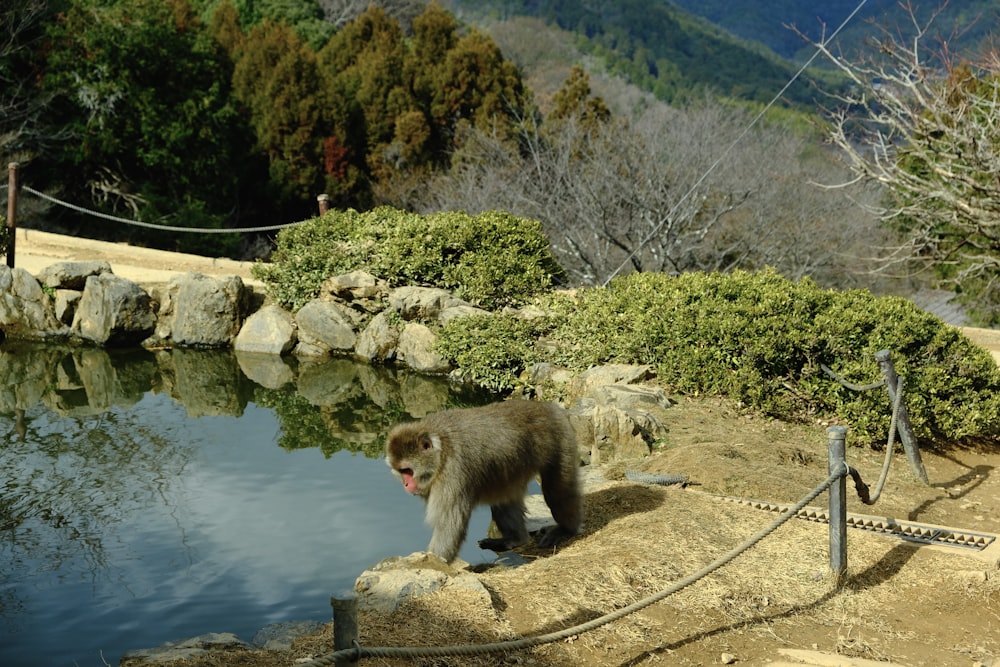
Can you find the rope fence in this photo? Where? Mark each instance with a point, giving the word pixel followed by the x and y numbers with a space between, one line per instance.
pixel 13 188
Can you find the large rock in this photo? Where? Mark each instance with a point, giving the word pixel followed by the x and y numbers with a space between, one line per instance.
pixel 416 349
pixel 323 328
pixel 378 341
pixel 179 652
pixel 113 311
pixel 202 311
pixel 271 330
pixel 72 275
pixel 384 586
pixel 599 376
pixel 360 289
pixel 422 303
pixel 25 308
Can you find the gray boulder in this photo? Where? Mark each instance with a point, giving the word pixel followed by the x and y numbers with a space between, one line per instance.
pixel 65 305
pixel 323 328
pixel 422 303
pixel 25 308
pixel 359 289
pixel 416 349
pixel 202 311
pixel 384 586
pixel 72 275
pixel 113 311
pixel 377 342
pixel 271 330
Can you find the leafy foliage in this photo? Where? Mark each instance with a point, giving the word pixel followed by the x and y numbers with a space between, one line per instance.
pixel 492 350
pixel 759 339
pixel 492 259
pixel 144 93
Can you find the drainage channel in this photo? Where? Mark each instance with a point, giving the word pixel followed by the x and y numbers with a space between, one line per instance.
pixel 906 530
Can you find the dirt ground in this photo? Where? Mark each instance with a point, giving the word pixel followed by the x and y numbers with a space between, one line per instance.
pixel 778 604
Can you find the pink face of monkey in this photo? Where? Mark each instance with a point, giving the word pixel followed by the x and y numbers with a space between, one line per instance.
pixel 414 458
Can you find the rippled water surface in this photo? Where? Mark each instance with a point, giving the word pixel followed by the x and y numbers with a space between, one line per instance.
pixel 146 497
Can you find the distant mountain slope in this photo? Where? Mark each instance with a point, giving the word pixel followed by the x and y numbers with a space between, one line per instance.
pixel 660 47
pixel 766 22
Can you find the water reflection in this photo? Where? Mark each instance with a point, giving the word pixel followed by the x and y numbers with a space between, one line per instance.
pixel 152 495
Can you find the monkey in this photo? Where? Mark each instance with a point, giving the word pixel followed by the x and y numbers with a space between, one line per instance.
pixel 460 458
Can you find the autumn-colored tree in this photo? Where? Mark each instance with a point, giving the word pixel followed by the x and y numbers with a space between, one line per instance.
pixel 362 67
pixel 478 87
pixel 276 78
pixel 574 100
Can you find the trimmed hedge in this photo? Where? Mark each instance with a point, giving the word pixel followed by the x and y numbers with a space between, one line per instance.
pixel 757 338
pixel 492 259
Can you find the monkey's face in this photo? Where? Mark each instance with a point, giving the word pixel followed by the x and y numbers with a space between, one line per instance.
pixel 414 457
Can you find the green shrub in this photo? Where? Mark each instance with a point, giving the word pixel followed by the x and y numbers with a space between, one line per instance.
pixel 492 259
pixel 760 339
pixel 492 350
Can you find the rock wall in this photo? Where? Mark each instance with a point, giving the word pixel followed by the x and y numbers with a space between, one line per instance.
pixel 615 413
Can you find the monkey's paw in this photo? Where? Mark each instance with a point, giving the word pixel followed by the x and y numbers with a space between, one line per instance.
pixel 550 536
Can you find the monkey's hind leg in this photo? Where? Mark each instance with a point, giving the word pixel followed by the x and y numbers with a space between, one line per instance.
pixel 561 489
pixel 509 519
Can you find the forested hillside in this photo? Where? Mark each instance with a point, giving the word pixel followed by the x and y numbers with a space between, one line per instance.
pixel 965 24
pixel 660 48
pixel 231 114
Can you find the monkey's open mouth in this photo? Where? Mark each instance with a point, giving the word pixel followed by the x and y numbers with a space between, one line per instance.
pixel 409 483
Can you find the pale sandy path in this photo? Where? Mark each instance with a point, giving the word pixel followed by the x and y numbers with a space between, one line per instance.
pixel 34 250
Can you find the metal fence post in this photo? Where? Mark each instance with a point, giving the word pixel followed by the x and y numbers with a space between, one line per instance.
pixel 837 450
pixel 12 188
pixel 323 201
pixel 903 426
pixel 345 626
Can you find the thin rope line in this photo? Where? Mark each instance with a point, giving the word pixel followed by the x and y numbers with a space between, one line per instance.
pixel 150 225
pixel 718 161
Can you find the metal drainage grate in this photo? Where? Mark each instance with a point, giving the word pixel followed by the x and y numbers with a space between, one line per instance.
pixel 914 532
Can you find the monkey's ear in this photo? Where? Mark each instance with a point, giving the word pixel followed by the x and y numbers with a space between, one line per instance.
pixel 429 441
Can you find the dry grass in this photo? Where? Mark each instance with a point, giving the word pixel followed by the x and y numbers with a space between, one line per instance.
pixel 896 602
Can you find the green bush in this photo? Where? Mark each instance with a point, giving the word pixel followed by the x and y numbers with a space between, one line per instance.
pixel 492 259
pixel 492 350
pixel 759 339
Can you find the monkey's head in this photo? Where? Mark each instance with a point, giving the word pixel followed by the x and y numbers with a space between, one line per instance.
pixel 414 455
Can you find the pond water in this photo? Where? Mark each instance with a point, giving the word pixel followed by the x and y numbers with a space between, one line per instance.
pixel 151 496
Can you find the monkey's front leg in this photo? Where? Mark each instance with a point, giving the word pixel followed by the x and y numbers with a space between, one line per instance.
pixel 509 519
pixel 450 520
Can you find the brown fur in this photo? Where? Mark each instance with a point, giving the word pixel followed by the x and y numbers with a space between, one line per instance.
pixel 457 459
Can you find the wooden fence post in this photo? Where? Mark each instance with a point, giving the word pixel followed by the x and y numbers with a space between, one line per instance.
pixel 345 626
pixel 12 188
